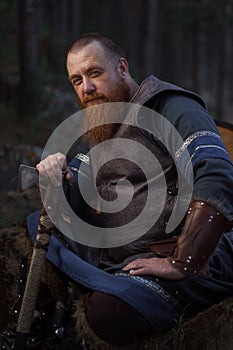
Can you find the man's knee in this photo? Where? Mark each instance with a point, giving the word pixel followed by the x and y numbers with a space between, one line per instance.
pixel 113 320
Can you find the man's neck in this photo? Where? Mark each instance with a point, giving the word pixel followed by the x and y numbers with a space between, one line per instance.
pixel 133 88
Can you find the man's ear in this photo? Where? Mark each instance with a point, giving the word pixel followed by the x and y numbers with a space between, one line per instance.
pixel 123 68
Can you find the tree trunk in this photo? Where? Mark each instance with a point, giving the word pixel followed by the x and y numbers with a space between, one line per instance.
pixel 150 38
pixel 28 52
pixel 60 30
pixel 224 63
pixel 131 26
pixel 75 19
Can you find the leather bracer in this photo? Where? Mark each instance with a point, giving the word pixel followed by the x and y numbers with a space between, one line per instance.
pixel 202 230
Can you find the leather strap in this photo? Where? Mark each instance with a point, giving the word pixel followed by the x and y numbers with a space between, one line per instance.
pixel 165 247
pixel 202 230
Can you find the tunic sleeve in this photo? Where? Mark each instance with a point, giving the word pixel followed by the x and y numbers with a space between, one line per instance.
pixel 212 166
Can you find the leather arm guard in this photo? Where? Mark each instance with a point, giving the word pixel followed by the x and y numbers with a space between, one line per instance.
pixel 202 230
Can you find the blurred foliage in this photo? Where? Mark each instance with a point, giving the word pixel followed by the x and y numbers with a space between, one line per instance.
pixel 8 35
pixel 179 27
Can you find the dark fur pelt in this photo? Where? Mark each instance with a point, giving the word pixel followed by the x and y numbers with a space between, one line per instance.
pixel 10 253
pixel 15 244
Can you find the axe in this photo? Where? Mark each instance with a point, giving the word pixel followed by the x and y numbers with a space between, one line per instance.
pixel 28 177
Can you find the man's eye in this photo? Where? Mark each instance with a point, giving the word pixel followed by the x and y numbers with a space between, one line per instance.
pixel 95 73
pixel 76 81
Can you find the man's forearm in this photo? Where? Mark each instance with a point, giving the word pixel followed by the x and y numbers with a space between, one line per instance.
pixel 202 230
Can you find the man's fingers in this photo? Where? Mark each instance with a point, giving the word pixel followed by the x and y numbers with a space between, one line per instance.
pixel 61 160
pixel 69 176
pixel 49 174
pixel 51 168
pixel 140 271
pixel 54 171
pixel 135 264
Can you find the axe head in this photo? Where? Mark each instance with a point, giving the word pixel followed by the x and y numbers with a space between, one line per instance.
pixel 27 177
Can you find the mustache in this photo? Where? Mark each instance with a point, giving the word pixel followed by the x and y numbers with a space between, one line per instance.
pixel 94 96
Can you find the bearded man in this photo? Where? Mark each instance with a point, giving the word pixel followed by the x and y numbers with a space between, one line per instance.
pixel 138 288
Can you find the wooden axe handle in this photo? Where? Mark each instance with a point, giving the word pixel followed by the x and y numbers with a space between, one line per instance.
pixel 34 276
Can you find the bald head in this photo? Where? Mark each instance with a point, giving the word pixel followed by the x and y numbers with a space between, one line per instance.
pixel 112 50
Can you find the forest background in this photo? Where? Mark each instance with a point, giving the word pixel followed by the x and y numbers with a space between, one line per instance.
pixel 186 42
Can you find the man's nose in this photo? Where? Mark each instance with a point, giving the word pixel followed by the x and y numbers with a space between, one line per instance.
pixel 88 86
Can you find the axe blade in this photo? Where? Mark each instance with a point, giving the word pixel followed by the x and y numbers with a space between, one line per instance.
pixel 28 176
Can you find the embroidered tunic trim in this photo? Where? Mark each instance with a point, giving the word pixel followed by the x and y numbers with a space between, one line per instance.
pixel 149 283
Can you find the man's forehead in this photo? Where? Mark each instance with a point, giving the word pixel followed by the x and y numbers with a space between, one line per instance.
pixel 92 51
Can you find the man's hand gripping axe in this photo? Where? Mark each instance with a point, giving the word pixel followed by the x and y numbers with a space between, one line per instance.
pixel 28 176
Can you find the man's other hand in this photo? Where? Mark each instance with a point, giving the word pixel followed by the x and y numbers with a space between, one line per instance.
pixel 159 267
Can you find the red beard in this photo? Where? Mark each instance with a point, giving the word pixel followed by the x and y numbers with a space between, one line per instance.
pixel 98 134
